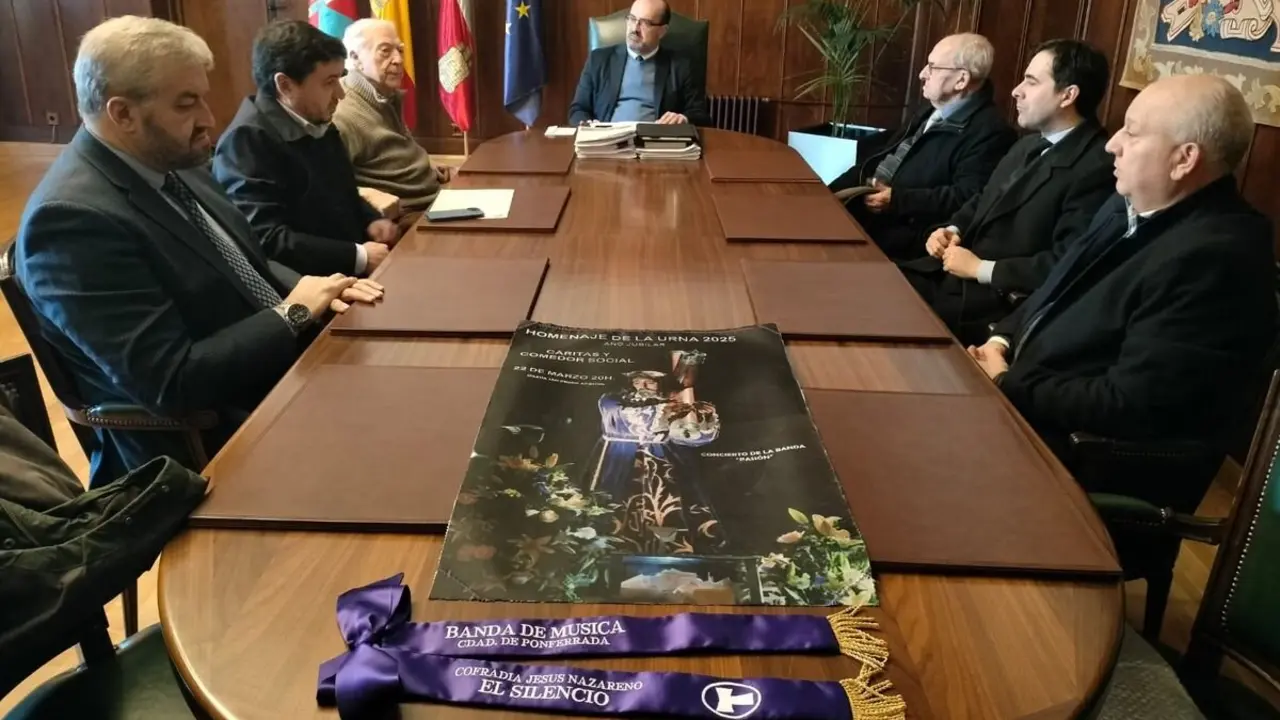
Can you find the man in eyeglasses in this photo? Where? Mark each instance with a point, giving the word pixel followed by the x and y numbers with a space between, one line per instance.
pixel 940 159
pixel 640 81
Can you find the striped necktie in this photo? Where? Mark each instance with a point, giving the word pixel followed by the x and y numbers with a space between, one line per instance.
pixel 889 166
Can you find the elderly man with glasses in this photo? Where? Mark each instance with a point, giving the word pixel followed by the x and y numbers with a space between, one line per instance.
pixel 937 161
pixel 640 81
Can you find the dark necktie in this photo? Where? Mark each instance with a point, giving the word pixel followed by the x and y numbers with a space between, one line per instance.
pixel 889 166
pixel 235 257
pixel 1107 229
pixel 1028 161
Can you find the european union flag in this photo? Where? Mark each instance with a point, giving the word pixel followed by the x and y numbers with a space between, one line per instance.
pixel 526 67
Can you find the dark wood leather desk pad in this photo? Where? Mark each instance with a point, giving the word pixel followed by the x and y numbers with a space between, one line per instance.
pixel 533 155
pixel 448 296
pixel 533 209
pixel 747 216
pixel 358 448
pixel 758 166
pixel 840 300
pixel 949 482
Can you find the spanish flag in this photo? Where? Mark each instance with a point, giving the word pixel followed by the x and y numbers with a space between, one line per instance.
pixel 397 13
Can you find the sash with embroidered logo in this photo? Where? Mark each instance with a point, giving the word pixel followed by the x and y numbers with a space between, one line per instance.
pixel 390 659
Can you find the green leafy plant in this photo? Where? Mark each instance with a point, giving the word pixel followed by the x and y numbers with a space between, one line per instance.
pixel 529 529
pixel 841 30
pixel 818 563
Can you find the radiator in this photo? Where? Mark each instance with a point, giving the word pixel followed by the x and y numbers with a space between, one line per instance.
pixel 741 114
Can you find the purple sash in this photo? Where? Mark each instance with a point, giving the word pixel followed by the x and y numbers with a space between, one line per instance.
pixel 390 659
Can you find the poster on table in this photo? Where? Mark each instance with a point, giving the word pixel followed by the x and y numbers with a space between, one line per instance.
pixel 651 467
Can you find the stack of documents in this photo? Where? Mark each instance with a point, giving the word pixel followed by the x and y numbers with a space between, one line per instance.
pixel 604 140
pixel 667 142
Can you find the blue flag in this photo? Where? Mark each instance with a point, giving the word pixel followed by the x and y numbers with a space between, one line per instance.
pixel 526 68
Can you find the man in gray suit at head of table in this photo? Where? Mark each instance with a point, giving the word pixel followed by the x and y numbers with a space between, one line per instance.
pixel 640 81
pixel 145 279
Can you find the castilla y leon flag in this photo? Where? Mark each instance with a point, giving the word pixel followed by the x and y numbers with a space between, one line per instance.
pixel 454 47
pixel 396 12
pixel 331 16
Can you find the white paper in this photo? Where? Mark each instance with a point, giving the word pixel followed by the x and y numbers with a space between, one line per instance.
pixel 557 131
pixel 496 204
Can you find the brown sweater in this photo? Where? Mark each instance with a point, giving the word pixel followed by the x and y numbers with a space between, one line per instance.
pixel 383 152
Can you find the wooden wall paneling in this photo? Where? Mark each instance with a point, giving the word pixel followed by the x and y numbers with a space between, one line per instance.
pixel 1258 177
pixel 77 18
pixel 1004 22
pixel 799 61
pixel 1105 27
pixel 228 26
pixel 117 8
pixel 47 88
pixel 15 109
pixel 724 45
pixel 761 47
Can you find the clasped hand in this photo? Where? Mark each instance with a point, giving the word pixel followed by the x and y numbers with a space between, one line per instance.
pixel 944 244
pixel 991 358
pixel 334 292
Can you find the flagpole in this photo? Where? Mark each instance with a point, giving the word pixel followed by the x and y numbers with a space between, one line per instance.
pixel 466 144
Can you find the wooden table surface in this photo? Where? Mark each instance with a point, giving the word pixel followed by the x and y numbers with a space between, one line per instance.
pixel 249 615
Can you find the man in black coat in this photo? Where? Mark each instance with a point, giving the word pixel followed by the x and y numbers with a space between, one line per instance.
pixel 1156 322
pixel 940 159
pixel 284 165
pixel 1003 243
pixel 640 81
pixel 144 278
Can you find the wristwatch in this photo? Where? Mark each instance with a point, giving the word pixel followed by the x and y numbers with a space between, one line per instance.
pixel 296 315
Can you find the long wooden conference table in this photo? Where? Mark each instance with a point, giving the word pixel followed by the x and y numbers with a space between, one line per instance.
pixel 249 615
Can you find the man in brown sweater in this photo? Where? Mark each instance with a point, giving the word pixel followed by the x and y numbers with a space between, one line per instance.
pixel 382 149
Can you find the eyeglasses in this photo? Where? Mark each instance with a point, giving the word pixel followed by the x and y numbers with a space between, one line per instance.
pixel 643 22
pixel 930 67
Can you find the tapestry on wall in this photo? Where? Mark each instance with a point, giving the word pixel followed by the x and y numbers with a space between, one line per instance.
pixel 645 466
pixel 1234 39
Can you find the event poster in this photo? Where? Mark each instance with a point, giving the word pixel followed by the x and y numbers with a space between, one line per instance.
pixel 651 467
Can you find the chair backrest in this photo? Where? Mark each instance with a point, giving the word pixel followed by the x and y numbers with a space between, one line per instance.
pixel 1238 617
pixel 64 388
pixel 685 36
pixel 21 388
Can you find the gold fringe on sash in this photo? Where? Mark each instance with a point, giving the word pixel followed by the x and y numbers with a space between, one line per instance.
pixel 868 696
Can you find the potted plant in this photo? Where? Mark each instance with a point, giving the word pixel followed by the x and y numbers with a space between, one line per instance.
pixel 840 30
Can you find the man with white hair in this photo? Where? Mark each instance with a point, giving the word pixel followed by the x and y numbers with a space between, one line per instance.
pixel 1156 322
pixel 146 280
pixel 937 161
pixel 370 119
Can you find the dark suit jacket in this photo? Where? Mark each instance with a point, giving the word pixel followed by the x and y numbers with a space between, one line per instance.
pixel 1024 227
pixel 601 81
pixel 1161 335
pixel 141 306
pixel 946 167
pixel 298 192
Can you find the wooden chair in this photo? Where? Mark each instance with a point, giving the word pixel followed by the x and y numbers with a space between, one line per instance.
pixel 1172 476
pixel 1237 618
pixel 86 418
pixel 135 681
